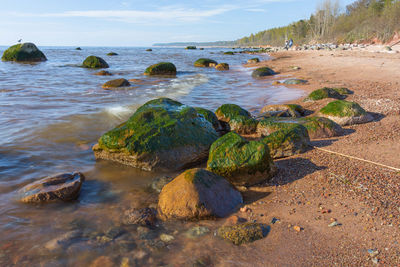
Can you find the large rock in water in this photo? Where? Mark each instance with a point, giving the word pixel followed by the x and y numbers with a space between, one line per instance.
pixel 345 113
pixel 196 194
pixel 162 68
pixel 239 119
pixel 262 72
pixel 26 52
pixel 93 62
pixel 62 187
pixel 116 83
pixel 240 161
pixel 205 62
pixel 161 134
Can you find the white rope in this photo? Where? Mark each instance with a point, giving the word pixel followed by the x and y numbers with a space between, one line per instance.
pixel 360 159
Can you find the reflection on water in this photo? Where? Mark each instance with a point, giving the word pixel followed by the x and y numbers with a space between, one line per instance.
pixel 50 116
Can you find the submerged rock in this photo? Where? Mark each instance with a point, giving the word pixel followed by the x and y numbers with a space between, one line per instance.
pixel 222 66
pixel 325 92
pixel 162 68
pixel 240 161
pixel 116 83
pixel 197 231
pixel 61 187
pixel 198 193
pixel 149 49
pixel 229 53
pixel 78 48
pixel 25 52
pixel 287 110
pixel 103 73
pixel 262 72
pixel 144 217
pixel 161 134
pixel 63 240
pixel 291 139
pixel 253 60
pixel 239 119
pixel 243 233
pixel 345 113
pixel 295 81
pixel 159 182
pixel 112 54
pixel 205 62
pixel 93 62
pixel 191 47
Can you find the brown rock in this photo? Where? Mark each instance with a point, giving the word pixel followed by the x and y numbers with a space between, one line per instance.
pixel 103 73
pixel 198 193
pixel 102 261
pixel 145 216
pixel 62 187
pixel 116 83
pixel 222 66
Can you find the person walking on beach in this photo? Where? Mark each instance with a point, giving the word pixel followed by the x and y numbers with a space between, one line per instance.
pixel 286 44
pixel 290 44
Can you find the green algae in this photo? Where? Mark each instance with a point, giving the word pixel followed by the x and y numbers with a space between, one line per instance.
pixel 342 108
pixel 262 72
pixel 243 233
pixel 162 68
pixel 226 112
pixel 204 62
pixel 94 62
pixel 26 52
pixel 324 92
pixel 209 116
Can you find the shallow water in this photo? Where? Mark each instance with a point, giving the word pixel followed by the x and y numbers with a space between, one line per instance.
pixel 51 114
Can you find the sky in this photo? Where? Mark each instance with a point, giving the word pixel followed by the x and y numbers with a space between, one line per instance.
pixel 143 22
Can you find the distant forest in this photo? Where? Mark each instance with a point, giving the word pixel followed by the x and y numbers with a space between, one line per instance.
pixel 363 20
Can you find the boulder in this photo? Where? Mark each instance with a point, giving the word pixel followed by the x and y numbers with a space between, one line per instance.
pixel 103 73
pixel 222 66
pixel 295 81
pixel 112 54
pixel 345 113
pixel 212 118
pixel 322 93
pixel 262 72
pixel 61 187
pixel 93 62
pixel 116 83
pixel 78 48
pixel 161 134
pixel 162 68
pixel 243 233
pixel 149 49
pixel 242 162
pixel 319 127
pixel 239 119
pixel 205 62
pixel 196 194
pixel 25 52
pixel 191 47
pixel 287 110
pixel 292 139
pixel 253 60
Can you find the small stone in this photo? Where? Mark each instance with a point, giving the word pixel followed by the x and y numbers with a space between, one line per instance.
pixel 233 220
pixel 375 260
pixel 245 209
pixel 145 217
pixel 197 231
pixel 274 220
pixel 335 223
pixel 373 252
pixel 297 228
pixel 166 238
pixel 326 211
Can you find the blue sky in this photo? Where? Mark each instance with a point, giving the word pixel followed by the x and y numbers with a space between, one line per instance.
pixel 142 23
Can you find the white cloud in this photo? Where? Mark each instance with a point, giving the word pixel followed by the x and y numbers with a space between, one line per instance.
pixel 255 10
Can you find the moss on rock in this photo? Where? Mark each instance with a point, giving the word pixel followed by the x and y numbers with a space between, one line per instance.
pixel 112 54
pixel 222 66
pixel 162 68
pixel 345 112
pixel 209 116
pixel 94 62
pixel 229 53
pixel 286 110
pixel 262 72
pixel 242 162
pixel 239 119
pixel 243 233
pixel 196 194
pixel 26 52
pixel 116 83
pixel 322 93
pixel 205 62
pixel 253 60
pixel 290 140
pixel 162 133
pixel 191 47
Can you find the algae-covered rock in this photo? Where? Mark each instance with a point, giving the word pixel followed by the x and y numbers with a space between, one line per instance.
pixel 322 93
pixel 116 83
pixel 290 140
pixel 78 48
pixel 211 117
pixel 287 110
pixel 198 193
pixel 161 134
pixel 191 47
pixel 205 62
pixel 345 113
pixel 262 72
pixel 295 81
pixel 243 233
pixel 222 66
pixel 229 53
pixel 94 62
pixel 112 54
pixel 343 90
pixel 103 73
pixel 239 119
pixel 240 161
pixel 61 187
pixel 162 68
pixel 253 60
pixel 25 52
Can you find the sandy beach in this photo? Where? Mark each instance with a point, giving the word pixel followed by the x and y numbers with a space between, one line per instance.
pixel 316 188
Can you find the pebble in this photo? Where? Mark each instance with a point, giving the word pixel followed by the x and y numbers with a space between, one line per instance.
pixel 166 238
pixel 373 252
pixel 375 260
pixel 335 223
pixel 297 228
pixel 274 220
pixel 197 231
pixel 245 209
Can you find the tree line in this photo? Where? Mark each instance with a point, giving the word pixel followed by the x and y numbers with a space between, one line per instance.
pixel 361 21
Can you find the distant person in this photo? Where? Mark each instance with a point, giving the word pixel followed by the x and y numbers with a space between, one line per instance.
pixel 290 44
pixel 286 44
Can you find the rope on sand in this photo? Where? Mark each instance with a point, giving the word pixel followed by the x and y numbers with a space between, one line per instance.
pixel 360 159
